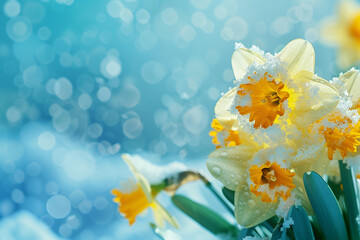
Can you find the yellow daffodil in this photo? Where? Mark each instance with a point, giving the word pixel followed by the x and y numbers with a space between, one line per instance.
pixel 224 135
pixel 264 178
pixel 140 197
pixel 277 89
pixel 344 32
pixel 341 128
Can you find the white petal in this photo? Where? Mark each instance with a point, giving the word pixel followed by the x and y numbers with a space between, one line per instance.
pixel 314 98
pixel 299 56
pixel 144 184
pixel 351 80
pixel 242 58
pixel 230 164
pixel 249 209
pixel 224 105
pixel 161 215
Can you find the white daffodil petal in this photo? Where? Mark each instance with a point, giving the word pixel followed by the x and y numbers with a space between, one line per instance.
pixel 144 184
pixel 249 209
pixel 314 98
pixel 230 164
pixel 161 215
pixel 299 56
pixel 241 59
pixel 351 80
pixel 300 193
pixel 223 106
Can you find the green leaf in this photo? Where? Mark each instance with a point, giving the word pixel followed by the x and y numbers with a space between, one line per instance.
pixel 351 193
pixel 325 206
pixel 302 227
pixel 230 195
pixel 204 216
pixel 277 233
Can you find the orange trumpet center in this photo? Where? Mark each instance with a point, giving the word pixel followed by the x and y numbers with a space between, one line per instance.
pixel 266 102
pixel 271 180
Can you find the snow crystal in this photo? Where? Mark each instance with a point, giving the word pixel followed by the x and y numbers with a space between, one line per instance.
pixel 287 223
pixel 239 45
pixel 153 173
pixel 254 238
pixel 307 151
pixel 265 188
pixel 284 206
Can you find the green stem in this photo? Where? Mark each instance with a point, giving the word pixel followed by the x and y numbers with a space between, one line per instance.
pixel 351 193
pixel 219 197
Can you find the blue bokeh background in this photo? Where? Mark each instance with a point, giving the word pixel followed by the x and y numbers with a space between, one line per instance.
pixel 83 81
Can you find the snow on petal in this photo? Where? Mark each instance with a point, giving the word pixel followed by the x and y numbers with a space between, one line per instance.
pixel 242 58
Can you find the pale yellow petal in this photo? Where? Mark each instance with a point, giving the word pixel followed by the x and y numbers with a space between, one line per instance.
pixel 145 185
pixel 230 164
pixel 351 80
pixel 249 209
pixel 313 99
pixel 333 169
pixel 334 32
pixel 300 193
pixel 161 215
pixel 242 58
pixel 348 56
pixel 223 106
pixel 310 155
pixel 347 10
pixel 299 56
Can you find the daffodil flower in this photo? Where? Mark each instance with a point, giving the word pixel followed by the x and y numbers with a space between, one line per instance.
pixel 223 134
pixel 277 89
pixel 140 197
pixel 341 128
pixel 264 178
pixel 343 31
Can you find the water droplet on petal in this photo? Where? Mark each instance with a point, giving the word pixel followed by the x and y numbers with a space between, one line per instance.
pixel 216 171
pixel 251 203
pixel 224 154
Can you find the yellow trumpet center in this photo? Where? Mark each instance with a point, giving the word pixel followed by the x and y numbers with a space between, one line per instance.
pixel 266 102
pixel 131 204
pixel 222 136
pixel 341 135
pixel 271 180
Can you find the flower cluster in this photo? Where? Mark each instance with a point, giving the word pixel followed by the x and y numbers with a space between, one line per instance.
pixel 279 121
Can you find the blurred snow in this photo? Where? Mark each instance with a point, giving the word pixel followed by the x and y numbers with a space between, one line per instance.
pixel 25 226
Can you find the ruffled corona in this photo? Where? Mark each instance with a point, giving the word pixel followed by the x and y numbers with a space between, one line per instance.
pixel 131 204
pixel 340 134
pixel 271 180
pixel 267 100
pixel 222 136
